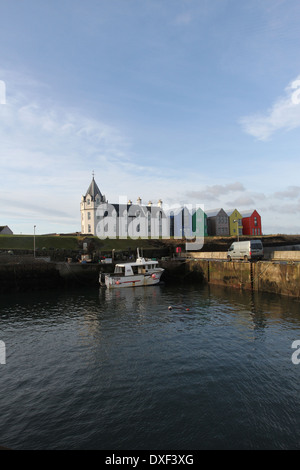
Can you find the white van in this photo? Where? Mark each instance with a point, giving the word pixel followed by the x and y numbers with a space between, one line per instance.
pixel 251 249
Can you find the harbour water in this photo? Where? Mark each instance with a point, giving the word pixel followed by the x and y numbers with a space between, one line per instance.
pixel 119 370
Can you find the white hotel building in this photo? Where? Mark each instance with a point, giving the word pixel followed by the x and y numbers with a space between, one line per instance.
pixel 90 219
pixel 125 219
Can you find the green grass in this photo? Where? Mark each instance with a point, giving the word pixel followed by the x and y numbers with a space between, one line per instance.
pixel 73 242
pixel 26 242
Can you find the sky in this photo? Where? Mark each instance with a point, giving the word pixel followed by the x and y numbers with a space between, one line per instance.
pixel 188 101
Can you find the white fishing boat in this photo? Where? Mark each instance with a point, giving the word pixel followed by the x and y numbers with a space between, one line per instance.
pixel 141 272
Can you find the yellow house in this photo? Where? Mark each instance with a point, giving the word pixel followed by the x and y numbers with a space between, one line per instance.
pixel 235 223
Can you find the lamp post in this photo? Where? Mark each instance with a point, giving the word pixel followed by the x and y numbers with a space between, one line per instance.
pixel 237 226
pixel 34 241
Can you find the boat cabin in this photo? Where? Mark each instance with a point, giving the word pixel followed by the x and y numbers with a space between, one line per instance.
pixel 130 269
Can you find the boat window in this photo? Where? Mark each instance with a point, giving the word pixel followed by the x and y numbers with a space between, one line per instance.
pixel 119 269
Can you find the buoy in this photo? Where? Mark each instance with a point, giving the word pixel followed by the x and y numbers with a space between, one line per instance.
pixel 187 309
pixel 170 308
pixel 153 276
pixel 117 282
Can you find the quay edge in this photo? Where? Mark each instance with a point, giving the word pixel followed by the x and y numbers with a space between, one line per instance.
pixel 279 277
pixel 262 276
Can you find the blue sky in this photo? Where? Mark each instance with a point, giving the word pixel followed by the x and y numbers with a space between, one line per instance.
pixel 188 101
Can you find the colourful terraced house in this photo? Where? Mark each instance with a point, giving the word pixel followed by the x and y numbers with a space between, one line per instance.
pixel 235 222
pixel 251 223
pixel 200 217
pixel 217 223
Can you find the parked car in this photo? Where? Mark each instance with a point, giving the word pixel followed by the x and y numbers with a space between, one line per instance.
pixel 248 250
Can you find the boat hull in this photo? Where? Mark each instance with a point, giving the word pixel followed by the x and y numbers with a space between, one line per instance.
pixel 120 282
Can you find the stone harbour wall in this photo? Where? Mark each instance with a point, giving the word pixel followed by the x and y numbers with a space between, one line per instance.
pixel 262 276
pixel 279 277
pixel 29 276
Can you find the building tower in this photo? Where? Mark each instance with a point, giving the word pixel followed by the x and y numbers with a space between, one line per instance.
pixel 88 208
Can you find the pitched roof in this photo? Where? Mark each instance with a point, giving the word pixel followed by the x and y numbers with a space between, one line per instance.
pixel 247 213
pixel 5 227
pixel 93 190
pixel 230 211
pixel 213 212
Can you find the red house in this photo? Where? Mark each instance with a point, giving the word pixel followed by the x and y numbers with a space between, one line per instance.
pixel 251 223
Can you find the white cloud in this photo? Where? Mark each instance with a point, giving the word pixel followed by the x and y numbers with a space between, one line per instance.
pixel 47 156
pixel 48 153
pixel 214 191
pixel 241 202
pixel 286 209
pixel 291 192
pixel 284 114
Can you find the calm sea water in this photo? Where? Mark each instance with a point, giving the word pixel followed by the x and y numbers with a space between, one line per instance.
pixel 99 369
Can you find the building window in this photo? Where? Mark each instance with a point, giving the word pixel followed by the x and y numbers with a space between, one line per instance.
pixel 89 228
pixel 89 216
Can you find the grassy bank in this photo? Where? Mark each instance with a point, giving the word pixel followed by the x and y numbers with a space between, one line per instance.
pixel 75 242
pixel 26 242
pixel 71 242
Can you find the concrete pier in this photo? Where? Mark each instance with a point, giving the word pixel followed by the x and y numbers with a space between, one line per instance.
pixel 279 277
pixel 28 276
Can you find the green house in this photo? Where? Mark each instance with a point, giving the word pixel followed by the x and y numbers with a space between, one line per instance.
pixel 199 217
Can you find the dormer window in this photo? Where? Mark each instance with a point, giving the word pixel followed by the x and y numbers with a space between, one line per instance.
pixel 88 201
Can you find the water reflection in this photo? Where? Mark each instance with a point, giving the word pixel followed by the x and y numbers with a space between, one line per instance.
pixel 188 302
pixel 135 299
pixel 261 306
pixel 119 369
